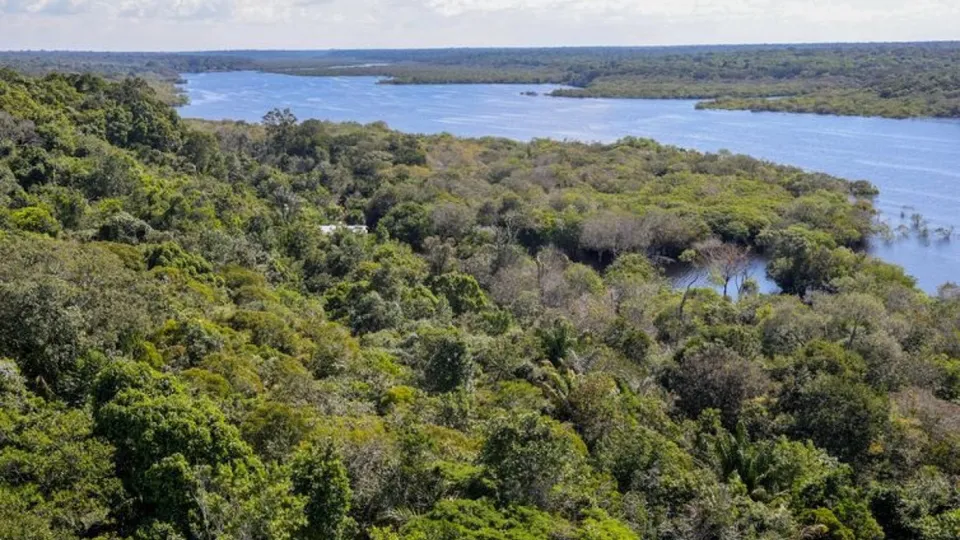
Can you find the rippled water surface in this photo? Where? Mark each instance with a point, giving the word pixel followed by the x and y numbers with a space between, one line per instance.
pixel 915 163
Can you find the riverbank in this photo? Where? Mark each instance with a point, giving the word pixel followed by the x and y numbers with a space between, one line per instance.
pixel 904 80
pixel 912 162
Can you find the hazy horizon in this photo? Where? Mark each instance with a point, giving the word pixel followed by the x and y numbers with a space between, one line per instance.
pixel 477 47
pixel 198 25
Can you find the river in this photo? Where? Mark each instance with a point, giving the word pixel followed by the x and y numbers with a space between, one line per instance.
pixel 915 163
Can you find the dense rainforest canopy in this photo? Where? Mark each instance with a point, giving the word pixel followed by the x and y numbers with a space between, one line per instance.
pixel 188 354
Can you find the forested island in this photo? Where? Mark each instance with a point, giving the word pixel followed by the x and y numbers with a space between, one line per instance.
pixel 196 345
pixel 895 80
pixel 889 80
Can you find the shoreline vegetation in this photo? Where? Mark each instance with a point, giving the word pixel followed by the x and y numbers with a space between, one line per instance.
pixel 902 80
pixel 162 71
pixel 193 343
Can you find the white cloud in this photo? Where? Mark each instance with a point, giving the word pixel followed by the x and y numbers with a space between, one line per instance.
pixel 206 24
pixel 224 10
pixel 45 7
pixel 177 9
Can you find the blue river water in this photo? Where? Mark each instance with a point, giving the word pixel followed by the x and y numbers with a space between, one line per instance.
pixel 915 163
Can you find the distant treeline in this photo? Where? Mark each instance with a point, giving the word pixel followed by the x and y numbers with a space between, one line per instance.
pixel 896 80
pixel 892 80
pixel 161 70
pixel 121 63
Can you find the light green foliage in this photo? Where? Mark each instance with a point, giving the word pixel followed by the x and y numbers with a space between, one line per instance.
pixel 333 351
pixel 480 520
pixel 57 480
pixel 598 525
pixel 35 219
pixel 476 520
pixel 919 507
pixel 171 255
pixel 941 527
pixel 266 330
pixel 275 429
pixel 462 292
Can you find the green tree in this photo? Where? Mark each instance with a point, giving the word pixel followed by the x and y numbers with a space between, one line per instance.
pixel 42 327
pixel 183 462
pixel 56 478
pixel 461 291
pixel 275 429
pixel 842 416
pixel 319 475
pixel 803 260
pixel 447 360
pixel 280 124
pixel 408 222
pixel 35 219
pixel 712 376
pixel 529 458
pixel 203 152
pixel 476 520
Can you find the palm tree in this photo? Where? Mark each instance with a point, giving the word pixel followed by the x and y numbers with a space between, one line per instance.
pixel 754 464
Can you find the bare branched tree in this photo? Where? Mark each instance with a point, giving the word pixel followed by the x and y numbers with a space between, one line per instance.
pixel 726 263
pixel 614 234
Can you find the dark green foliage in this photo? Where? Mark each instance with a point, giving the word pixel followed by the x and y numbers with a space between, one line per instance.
pixel 408 223
pixel 38 328
pixel 59 316
pixel 447 361
pixel 146 428
pixel 556 340
pixel 182 335
pixel 842 416
pixel 203 151
pixel 714 376
pixel 140 119
pixel 319 476
pixel 177 455
pixel 633 343
pixel 530 458
pixel 124 228
pixel 280 126
pixel 802 259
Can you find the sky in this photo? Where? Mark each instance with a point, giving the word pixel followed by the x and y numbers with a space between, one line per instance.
pixel 176 25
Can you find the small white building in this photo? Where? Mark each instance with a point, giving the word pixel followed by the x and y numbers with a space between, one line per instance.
pixel 332 229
